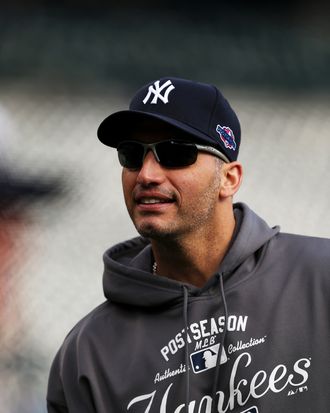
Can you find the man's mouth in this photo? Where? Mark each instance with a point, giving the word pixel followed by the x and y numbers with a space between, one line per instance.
pixel 153 198
pixel 149 201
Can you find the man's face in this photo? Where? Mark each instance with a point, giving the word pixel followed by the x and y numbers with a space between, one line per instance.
pixel 171 202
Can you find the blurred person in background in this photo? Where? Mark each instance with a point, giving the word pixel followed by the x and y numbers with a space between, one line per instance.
pixel 20 367
pixel 210 309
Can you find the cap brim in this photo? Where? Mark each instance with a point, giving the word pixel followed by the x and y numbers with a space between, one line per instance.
pixel 118 127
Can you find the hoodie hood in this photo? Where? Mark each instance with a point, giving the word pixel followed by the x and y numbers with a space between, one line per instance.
pixel 128 277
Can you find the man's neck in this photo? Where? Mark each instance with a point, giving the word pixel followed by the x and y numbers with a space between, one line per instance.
pixel 194 258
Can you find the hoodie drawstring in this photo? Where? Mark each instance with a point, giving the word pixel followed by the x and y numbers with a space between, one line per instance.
pixel 185 319
pixel 221 346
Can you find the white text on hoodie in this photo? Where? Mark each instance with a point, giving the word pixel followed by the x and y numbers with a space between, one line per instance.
pixel 259 385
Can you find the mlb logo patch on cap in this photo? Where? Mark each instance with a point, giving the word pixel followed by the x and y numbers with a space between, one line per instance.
pixel 227 137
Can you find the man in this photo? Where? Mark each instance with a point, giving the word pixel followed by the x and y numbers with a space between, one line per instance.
pixel 206 277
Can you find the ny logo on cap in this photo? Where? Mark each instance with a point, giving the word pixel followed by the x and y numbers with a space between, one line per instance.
pixel 156 90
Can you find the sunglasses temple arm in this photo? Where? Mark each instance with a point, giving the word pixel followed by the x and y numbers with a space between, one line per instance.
pixel 213 151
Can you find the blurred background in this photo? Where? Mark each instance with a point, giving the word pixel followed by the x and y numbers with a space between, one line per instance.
pixel 64 66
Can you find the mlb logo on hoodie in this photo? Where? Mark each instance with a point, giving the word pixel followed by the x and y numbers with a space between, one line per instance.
pixel 206 358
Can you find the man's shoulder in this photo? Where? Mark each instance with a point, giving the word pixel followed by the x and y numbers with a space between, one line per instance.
pixel 309 248
pixel 89 325
pixel 303 240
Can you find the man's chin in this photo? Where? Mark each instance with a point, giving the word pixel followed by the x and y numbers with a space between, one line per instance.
pixel 154 232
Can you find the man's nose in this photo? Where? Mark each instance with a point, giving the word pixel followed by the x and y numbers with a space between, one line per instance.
pixel 151 170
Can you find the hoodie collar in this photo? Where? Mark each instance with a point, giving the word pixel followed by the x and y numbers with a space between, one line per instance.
pixel 128 279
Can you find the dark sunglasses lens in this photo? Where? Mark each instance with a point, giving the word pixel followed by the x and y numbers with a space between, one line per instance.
pixel 176 154
pixel 130 155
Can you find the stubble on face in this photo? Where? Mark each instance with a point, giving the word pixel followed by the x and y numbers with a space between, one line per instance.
pixel 195 210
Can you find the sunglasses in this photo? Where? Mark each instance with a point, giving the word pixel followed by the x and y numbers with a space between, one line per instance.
pixel 170 154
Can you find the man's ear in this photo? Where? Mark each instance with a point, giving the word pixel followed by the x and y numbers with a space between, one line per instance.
pixel 232 175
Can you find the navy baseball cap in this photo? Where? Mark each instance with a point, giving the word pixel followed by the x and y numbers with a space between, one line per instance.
pixel 197 109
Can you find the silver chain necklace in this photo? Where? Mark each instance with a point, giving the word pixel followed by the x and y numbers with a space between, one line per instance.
pixel 154 268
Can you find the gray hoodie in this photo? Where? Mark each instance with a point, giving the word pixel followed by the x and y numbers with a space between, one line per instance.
pixel 254 339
